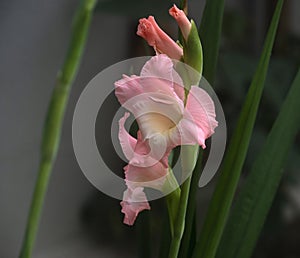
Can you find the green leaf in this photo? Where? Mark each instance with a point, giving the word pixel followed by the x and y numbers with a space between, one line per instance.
pixel 255 199
pixel 210 34
pixel 192 52
pixel 233 162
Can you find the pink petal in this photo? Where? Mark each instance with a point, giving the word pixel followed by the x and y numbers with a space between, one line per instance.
pixel 140 172
pixel 198 122
pixel 148 154
pixel 127 142
pixel 142 146
pixel 139 176
pixel 158 39
pixel 127 88
pixel 201 107
pixel 153 176
pixel 183 22
pixel 134 201
pixel 186 133
pixel 178 85
pixel 148 144
pixel 159 66
pixel 157 75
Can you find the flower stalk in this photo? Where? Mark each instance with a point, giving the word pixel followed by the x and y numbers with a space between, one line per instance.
pixel 54 120
pixel 180 221
pixel 192 56
pixel 186 248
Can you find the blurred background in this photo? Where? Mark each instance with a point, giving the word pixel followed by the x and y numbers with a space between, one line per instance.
pixel 78 220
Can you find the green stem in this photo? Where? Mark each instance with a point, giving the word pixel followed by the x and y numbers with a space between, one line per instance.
pixel 184 6
pixel 186 247
pixel 180 221
pixel 172 201
pixel 173 198
pixel 54 120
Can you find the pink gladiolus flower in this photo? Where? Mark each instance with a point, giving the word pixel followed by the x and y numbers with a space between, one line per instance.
pixel 156 99
pixel 183 22
pixel 158 39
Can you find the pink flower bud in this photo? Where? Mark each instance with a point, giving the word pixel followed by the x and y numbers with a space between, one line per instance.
pixel 158 39
pixel 183 22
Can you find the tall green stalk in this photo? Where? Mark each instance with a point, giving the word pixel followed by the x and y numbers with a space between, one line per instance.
pixel 54 120
pixel 187 240
pixel 180 221
pixel 193 57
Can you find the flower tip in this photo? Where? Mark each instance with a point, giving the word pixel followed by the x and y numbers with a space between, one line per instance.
pixel 134 201
pixel 145 24
pixel 174 11
pixel 142 27
pixel 181 19
pixel 157 38
pixel 146 29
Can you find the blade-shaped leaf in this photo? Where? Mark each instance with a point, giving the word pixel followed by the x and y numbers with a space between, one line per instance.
pixel 210 34
pixel 232 165
pixel 255 199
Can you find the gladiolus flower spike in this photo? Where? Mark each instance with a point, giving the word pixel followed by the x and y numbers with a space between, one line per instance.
pixel 166 115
